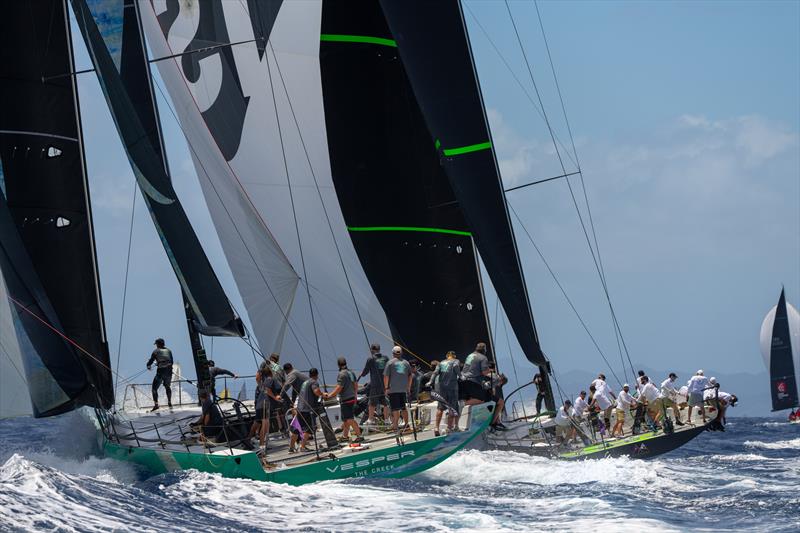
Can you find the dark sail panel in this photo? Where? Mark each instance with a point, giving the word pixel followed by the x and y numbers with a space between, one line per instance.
pixel 434 47
pixel 124 76
pixel 782 377
pixel 405 223
pixel 48 257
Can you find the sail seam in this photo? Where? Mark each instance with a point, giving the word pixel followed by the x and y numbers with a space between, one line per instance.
pixel 409 228
pixel 366 39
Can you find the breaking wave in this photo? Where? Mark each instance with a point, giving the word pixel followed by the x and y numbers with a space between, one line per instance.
pixel 737 480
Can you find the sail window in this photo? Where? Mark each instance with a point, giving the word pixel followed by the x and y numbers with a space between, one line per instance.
pixel 62 222
pixel 469 306
pixel 52 151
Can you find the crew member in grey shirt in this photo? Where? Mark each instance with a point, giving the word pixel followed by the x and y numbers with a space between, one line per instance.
pixel 346 388
pixel 474 373
pixel 397 382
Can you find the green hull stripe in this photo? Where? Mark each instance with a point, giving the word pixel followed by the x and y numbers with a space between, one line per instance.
pixel 409 228
pixel 467 149
pixel 357 39
pixel 616 444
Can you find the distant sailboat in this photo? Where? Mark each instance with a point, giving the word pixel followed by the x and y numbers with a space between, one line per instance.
pixel 780 346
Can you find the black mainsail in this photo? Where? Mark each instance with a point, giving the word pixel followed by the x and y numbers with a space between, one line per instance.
pixel 47 253
pixel 118 54
pixel 437 56
pixel 402 215
pixel 782 371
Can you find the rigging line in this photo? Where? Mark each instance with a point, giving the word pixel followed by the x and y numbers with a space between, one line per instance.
pixel 230 217
pixel 319 194
pixel 560 159
pixel 618 330
pixel 10 360
pixel 205 49
pixel 294 215
pixel 564 292
pixel 558 87
pixel 513 364
pixel 514 75
pixel 125 285
pixel 59 333
pixel 537 182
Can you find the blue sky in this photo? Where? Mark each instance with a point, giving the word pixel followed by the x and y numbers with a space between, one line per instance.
pixel 686 118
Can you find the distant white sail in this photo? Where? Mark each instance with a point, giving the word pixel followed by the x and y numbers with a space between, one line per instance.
pixel 243 130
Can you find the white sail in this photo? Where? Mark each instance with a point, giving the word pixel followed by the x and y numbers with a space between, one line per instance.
pixel 794 333
pixel 270 100
pixel 14 394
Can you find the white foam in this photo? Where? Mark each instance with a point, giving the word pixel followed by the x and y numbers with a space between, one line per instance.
pixel 793 444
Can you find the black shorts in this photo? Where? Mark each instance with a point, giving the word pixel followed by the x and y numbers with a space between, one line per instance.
pixel 397 401
pixel 469 390
pixel 347 409
pixel 263 411
pixel 163 376
pixel 377 398
pixel 306 419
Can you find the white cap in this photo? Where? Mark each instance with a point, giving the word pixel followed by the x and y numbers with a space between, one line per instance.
pixel 699 372
pixel 713 381
pixel 626 385
pixel 397 349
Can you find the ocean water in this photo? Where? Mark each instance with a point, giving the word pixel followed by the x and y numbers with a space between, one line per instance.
pixel 747 478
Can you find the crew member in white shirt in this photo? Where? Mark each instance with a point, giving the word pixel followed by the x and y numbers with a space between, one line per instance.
pixel 669 397
pixel 604 396
pixel 565 429
pixel 580 406
pixel 624 403
pixel 649 394
pixel 697 384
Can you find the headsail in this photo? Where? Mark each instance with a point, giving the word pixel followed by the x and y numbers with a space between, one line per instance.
pixel 780 346
pixel 15 397
pixel 47 255
pixel 401 212
pixel 253 116
pixel 113 37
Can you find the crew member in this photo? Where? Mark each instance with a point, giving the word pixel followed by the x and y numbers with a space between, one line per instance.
pixel 474 373
pixel 696 385
pixel 565 429
pixel 213 372
pixel 308 401
pixel 624 404
pixel 346 389
pixel 375 365
pixel 210 423
pixel 445 382
pixel 397 383
pixel 162 356
pixel 539 382
pixel 669 397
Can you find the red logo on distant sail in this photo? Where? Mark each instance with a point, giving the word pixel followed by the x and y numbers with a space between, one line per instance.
pixel 781 386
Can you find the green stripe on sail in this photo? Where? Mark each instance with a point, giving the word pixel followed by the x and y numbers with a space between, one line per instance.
pixel 357 39
pixel 467 149
pixel 409 228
